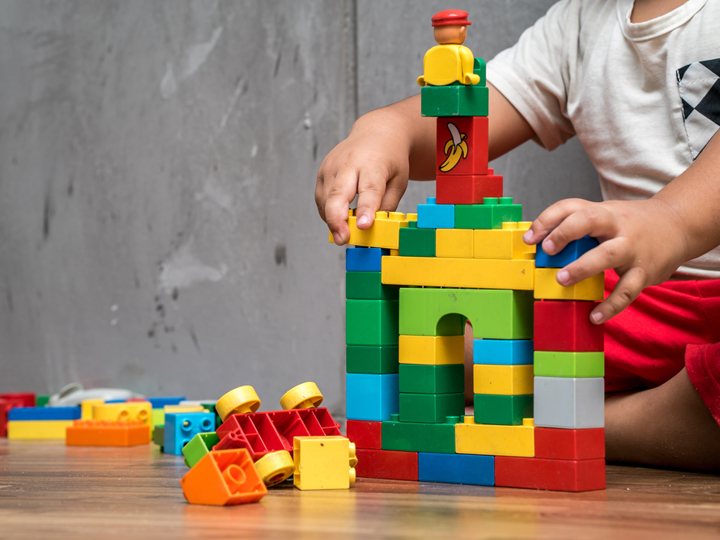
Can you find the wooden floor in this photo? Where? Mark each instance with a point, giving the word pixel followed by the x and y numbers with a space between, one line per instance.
pixel 48 490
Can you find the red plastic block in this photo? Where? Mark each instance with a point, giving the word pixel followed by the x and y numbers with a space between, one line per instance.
pixel 471 189
pixel 387 464
pixel 365 434
pixel 570 443
pixel 20 399
pixel 554 475
pixel 322 418
pixel 564 326
pixel 3 417
pixel 461 145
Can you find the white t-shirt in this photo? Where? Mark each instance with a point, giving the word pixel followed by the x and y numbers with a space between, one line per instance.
pixel 624 89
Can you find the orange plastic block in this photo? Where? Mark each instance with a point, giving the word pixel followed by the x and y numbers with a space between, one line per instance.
pixel 106 433
pixel 223 478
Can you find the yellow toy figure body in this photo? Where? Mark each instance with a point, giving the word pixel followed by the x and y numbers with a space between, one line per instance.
pixel 450 61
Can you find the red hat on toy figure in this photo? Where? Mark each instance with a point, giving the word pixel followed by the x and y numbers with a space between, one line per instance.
pixel 451 17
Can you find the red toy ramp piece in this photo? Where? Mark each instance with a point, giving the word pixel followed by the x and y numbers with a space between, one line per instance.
pixel 550 474
pixel 387 464
pixel 564 326
pixel 365 434
pixel 570 444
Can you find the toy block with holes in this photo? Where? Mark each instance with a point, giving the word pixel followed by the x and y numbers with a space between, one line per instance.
pixel 120 412
pixel 107 433
pixel 385 232
pixel 323 462
pixel 181 427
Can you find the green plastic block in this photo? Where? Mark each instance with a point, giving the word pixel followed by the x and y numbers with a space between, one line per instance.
pixel 158 417
pixel 489 215
pixel 42 401
pixel 494 314
pixel 426 379
pixel 367 286
pixel 431 408
pixel 569 364
pixel 371 322
pixel 373 359
pixel 416 242
pixel 408 437
pixel 479 69
pixel 503 410
pixel 199 445
pixel 454 100
pixel 159 436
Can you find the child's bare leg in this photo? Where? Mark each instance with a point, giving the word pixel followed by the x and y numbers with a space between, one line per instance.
pixel 667 426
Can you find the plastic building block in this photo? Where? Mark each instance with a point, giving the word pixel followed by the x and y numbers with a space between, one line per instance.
pixel 158 417
pixel 139 410
pixel 455 100
pixel 504 352
pixel 502 410
pixel 367 285
pixel 454 243
pixel 416 242
pixel 275 467
pixel 570 253
pixel 365 434
pixel 419 437
pixel 431 350
pixel 159 437
pixel 42 401
pixel 240 400
pixel 435 216
pixel 501 244
pixel 431 408
pixel 371 322
pixel 377 359
pixel 183 408
pixel 547 287
pixel 4 407
pixel 555 475
pixel 461 147
pixel 493 314
pixel 87 406
pixel 565 326
pixel 432 379
pixel 461 273
pixel 384 233
pixel 387 464
pixel 323 463
pixel 570 403
pixel 468 189
pixel 37 429
pixel 44 413
pixel 20 399
pixel 160 402
pixel 180 428
pixel 223 478
pixel 105 433
pixel 569 364
pixel 502 380
pixel 491 214
pixel 199 445
pixel 362 259
pixel 570 443
pixel 489 440
pixel 456 469
pixel 372 397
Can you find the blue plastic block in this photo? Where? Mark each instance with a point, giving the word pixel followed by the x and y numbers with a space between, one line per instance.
pixel 456 469
pixel 503 352
pixel 44 413
pixel 364 259
pixel 180 428
pixel 160 402
pixel 572 252
pixel 115 401
pixel 372 397
pixel 435 216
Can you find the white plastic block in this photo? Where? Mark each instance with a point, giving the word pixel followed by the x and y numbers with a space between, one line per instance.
pixel 563 402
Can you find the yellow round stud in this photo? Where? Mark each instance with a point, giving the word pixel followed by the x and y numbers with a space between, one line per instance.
pixel 303 396
pixel 239 401
pixel 275 467
pixel 353 456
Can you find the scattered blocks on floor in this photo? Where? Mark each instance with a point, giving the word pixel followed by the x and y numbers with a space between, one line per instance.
pixel 556 475
pixel 570 403
pixel 431 408
pixel 432 350
pixel 364 259
pixel 469 189
pixel 106 433
pixel 571 444
pixel 159 437
pixel 456 469
pixel 371 359
pixel 371 322
pixel 44 413
pixel 569 364
pixel 547 287
pixel 387 464
pixel 38 429
pixel 384 232
pixel 180 428
pixel 435 216
pixel 454 243
pixel 502 410
pixel 565 326
pixel 365 434
pixel 505 352
pixel 372 397
pixel 502 380
pixel 416 242
pixel 323 463
pixel 493 440
pixel 570 253
pixel 199 445
pixel 408 437
pixel 120 412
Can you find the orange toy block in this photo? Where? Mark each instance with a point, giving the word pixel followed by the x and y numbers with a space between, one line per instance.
pixel 106 433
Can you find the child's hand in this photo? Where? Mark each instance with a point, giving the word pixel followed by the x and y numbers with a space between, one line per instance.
pixel 642 240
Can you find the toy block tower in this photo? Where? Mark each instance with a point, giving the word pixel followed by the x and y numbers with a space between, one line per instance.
pixel 538 362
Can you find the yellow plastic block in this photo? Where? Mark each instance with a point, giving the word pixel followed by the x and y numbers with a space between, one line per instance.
pixel 547 287
pixel 118 412
pixel 323 462
pixel 503 380
pixel 183 408
pixel 431 350
pixel 454 243
pixel 524 225
pixel 459 273
pixel 484 439
pixel 86 407
pixel 505 243
pixel 384 233
pixel 38 429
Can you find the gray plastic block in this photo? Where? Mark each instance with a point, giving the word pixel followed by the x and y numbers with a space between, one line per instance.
pixel 564 402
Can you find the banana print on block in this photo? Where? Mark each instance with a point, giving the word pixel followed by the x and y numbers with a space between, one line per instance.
pixel 462 146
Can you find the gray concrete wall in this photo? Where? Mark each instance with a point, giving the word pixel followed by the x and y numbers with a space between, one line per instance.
pixel 157 165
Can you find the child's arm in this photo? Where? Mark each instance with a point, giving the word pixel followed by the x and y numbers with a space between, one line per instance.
pixel 385 148
pixel 644 241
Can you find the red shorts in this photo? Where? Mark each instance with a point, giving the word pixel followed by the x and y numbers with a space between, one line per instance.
pixel 668 327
